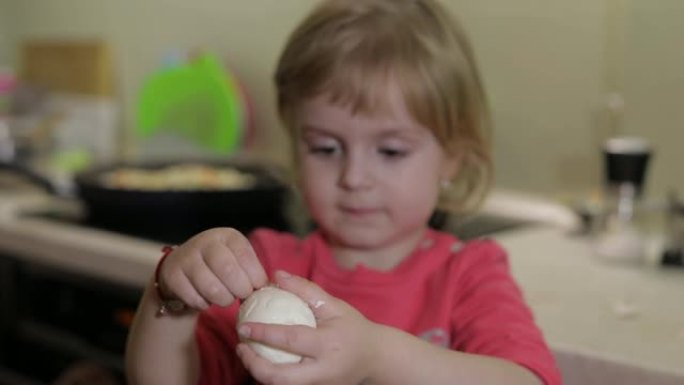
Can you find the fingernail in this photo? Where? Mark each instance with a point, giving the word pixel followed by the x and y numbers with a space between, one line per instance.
pixel 284 274
pixel 244 331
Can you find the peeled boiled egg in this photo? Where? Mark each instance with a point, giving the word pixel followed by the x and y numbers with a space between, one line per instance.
pixel 273 305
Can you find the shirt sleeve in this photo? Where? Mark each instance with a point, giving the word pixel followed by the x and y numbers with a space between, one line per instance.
pixel 217 338
pixel 490 316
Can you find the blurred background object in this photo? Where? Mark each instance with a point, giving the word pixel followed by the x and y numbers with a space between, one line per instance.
pixel 622 235
pixel 82 67
pixel 673 253
pixel 197 98
pixel 78 78
pixel 62 116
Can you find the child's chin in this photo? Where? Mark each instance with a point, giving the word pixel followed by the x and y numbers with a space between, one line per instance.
pixel 361 238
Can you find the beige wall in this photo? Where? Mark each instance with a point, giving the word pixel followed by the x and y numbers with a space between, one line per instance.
pixel 5 29
pixel 541 62
pixel 546 63
pixel 654 87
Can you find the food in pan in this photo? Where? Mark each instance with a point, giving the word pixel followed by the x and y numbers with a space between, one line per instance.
pixel 178 177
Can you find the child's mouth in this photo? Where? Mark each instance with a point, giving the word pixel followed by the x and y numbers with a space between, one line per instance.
pixel 359 211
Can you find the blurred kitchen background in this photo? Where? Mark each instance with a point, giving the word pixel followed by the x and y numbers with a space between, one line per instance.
pixel 562 76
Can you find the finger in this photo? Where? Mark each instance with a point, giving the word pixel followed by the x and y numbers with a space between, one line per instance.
pixel 260 368
pixel 208 285
pixel 320 302
pixel 266 372
pixel 246 257
pixel 297 339
pixel 222 263
pixel 186 292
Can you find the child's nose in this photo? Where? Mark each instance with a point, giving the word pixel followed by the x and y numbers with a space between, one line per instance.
pixel 355 173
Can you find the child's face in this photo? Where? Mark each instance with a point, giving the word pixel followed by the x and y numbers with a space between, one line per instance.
pixel 369 181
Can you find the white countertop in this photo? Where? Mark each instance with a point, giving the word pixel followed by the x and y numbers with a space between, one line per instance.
pixel 625 324
pixel 606 323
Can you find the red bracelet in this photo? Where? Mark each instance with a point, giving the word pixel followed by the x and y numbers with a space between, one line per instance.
pixel 167 305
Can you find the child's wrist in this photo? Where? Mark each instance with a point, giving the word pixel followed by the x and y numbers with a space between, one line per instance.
pixel 378 359
pixel 168 304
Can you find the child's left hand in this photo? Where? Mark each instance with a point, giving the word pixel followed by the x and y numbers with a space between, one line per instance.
pixel 339 351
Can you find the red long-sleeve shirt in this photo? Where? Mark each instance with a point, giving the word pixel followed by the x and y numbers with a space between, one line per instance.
pixel 453 294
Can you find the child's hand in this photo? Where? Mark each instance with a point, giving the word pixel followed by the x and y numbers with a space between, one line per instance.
pixel 214 267
pixel 338 351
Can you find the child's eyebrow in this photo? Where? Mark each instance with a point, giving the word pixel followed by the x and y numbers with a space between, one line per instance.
pixel 390 131
pixel 401 132
pixel 313 129
pixel 394 131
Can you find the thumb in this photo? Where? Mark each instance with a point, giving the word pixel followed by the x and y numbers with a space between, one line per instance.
pixel 321 303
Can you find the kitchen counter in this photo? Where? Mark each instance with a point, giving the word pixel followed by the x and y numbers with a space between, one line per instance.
pixel 606 323
pixel 114 257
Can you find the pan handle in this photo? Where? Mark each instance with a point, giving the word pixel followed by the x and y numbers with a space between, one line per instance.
pixel 32 176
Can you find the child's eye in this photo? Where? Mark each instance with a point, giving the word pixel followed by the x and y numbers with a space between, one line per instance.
pixel 392 153
pixel 324 149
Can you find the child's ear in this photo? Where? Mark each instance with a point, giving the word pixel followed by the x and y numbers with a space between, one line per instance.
pixel 452 165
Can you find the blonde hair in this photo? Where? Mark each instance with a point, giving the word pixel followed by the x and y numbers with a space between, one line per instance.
pixel 349 49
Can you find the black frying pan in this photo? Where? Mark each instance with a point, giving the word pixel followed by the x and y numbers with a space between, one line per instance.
pixel 172 216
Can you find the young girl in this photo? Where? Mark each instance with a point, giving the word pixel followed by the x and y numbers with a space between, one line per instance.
pixel 387 116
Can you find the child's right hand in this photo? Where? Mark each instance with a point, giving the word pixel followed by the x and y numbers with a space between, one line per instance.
pixel 213 267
